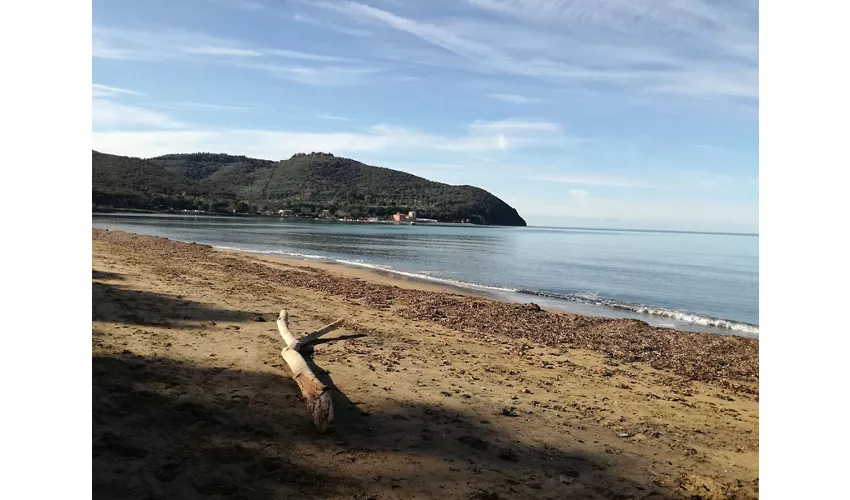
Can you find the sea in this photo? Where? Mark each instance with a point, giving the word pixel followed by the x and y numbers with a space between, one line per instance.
pixel 693 281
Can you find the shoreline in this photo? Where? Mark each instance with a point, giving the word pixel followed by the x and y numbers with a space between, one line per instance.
pixel 549 303
pixel 358 272
pixel 190 213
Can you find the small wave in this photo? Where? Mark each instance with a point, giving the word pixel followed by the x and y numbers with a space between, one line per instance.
pixel 421 275
pixel 424 276
pixel 676 314
pixel 276 252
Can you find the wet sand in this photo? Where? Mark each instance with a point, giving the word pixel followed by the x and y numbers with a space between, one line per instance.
pixel 438 394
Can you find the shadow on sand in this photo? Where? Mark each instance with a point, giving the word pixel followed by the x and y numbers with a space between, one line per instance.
pixel 114 303
pixel 166 429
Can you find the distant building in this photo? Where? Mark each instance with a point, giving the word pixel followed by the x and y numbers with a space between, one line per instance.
pixel 412 218
pixel 285 213
pixel 325 214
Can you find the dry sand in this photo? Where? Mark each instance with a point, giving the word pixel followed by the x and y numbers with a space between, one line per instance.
pixel 437 394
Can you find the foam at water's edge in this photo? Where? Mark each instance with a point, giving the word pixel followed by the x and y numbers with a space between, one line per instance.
pixel 684 316
pixel 425 277
pixel 275 252
pixel 589 298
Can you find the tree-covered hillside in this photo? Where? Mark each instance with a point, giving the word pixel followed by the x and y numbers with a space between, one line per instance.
pixel 305 183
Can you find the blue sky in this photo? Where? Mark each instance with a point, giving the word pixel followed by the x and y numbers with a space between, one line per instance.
pixel 603 113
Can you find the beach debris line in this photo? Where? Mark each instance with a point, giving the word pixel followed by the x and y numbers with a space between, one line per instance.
pixel 315 392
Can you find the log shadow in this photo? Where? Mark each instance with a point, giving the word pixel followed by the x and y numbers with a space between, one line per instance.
pixel 347 414
pixel 326 340
pixel 167 429
pixel 117 304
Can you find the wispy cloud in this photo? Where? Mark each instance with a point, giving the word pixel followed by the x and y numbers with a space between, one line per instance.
pixel 313 69
pixel 641 17
pixel 515 98
pixel 520 134
pixel 160 45
pixel 266 143
pixel 325 75
pixel 335 118
pixel 669 181
pixel 428 32
pixel 592 179
pixel 502 126
pixel 141 44
pixel 480 138
pixel 687 49
pixel 99 90
pixel 209 50
pixel 109 114
pixel 313 21
pixel 293 54
pixel 104 48
pixel 241 4
pixel 203 106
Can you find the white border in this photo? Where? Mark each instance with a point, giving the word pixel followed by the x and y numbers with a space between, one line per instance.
pixel 803 224
pixel 46 138
pixel 47 127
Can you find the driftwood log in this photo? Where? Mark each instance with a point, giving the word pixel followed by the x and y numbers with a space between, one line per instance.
pixel 315 393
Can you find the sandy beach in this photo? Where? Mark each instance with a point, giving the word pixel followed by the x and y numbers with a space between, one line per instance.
pixel 438 394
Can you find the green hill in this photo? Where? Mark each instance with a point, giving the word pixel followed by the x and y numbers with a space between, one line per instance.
pixel 305 183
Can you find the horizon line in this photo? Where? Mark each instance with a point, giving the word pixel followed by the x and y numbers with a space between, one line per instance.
pixel 641 230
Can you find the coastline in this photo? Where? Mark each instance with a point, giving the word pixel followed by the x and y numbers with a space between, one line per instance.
pixel 564 404
pixel 657 308
pixel 654 316
pixel 198 213
pixel 376 275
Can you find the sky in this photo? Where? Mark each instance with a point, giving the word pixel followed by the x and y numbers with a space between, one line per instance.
pixel 583 113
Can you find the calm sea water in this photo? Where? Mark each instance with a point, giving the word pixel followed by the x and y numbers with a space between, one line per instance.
pixel 690 281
